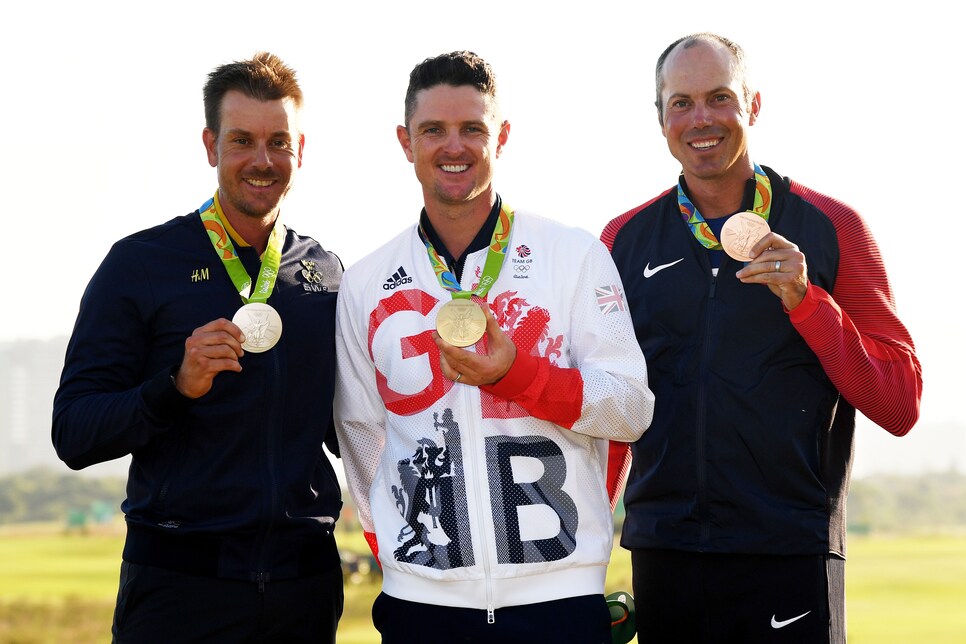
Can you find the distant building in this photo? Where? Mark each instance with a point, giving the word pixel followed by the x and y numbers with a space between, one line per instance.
pixel 29 374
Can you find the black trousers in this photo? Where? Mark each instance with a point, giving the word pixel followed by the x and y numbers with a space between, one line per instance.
pixel 159 605
pixel 702 598
pixel 576 620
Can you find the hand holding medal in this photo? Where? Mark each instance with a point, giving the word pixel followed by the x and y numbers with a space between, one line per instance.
pixel 476 368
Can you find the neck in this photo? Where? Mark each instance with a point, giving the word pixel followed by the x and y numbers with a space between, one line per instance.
pixel 254 230
pixel 457 226
pixel 719 196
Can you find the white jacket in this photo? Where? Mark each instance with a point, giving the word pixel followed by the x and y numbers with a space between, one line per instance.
pixel 468 499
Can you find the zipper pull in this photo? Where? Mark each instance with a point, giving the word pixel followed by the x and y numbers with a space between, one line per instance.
pixel 490 615
pixel 261 578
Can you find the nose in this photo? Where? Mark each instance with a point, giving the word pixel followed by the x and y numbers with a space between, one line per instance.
pixel 453 143
pixel 701 115
pixel 263 156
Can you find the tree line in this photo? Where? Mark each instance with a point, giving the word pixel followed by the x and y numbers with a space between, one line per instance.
pixel 877 504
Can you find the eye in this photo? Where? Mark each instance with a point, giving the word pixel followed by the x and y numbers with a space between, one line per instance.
pixel 240 140
pixel 679 104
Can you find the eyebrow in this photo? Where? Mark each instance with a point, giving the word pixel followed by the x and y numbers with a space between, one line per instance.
pixel 274 135
pixel 712 92
pixel 443 122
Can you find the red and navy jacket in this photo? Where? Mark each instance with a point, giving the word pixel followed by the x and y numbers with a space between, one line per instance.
pixel 234 484
pixel 751 443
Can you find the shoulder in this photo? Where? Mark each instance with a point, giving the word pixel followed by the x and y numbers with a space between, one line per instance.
pixel 618 224
pixel 306 245
pixel 388 257
pixel 846 220
pixel 531 231
pixel 170 234
pixel 529 221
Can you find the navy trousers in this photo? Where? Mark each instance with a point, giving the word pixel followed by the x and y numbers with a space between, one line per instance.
pixel 160 605
pixel 703 598
pixel 575 620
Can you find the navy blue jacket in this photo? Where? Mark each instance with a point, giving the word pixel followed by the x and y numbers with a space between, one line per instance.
pixel 750 447
pixel 235 483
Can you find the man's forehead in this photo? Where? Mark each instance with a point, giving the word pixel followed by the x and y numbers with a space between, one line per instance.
pixel 239 109
pixel 688 70
pixel 428 95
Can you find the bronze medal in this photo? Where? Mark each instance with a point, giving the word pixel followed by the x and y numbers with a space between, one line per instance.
pixel 741 232
pixel 261 325
pixel 461 322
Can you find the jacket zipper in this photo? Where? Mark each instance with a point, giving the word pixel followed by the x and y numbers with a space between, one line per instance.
pixel 271 429
pixel 704 512
pixel 485 538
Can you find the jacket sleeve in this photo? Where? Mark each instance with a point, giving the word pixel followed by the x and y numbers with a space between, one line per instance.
pixel 605 393
pixel 864 348
pixel 360 416
pixel 105 406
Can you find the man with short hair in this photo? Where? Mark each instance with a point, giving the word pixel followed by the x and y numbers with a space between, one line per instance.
pixel 735 505
pixel 204 347
pixel 486 359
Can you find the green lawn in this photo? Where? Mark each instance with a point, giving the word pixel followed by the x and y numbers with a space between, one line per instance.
pixel 57 587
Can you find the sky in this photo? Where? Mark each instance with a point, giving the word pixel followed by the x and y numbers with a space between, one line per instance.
pixel 862 106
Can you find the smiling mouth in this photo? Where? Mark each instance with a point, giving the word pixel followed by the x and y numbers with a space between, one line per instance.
pixel 704 145
pixel 260 183
pixel 454 168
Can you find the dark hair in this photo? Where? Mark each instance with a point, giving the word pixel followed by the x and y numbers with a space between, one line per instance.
pixel 455 68
pixel 737 53
pixel 264 77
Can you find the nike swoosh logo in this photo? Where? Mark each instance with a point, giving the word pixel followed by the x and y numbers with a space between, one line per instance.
pixel 782 624
pixel 648 271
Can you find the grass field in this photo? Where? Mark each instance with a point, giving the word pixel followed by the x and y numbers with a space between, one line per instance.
pixel 57 587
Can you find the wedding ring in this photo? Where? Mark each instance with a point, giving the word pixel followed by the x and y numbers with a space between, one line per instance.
pixel 778 266
pixel 459 375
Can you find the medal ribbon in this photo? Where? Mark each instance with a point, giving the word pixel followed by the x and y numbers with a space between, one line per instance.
pixel 491 268
pixel 699 227
pixel 213 219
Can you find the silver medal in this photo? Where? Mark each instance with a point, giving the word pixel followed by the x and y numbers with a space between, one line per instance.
pixel 261 325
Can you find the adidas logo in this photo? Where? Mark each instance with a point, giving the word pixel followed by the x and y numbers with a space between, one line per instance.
pixel 398 279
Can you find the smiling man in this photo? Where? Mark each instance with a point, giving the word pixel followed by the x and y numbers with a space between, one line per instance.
pixel 204 347
pixel 486 359
pixel 735 506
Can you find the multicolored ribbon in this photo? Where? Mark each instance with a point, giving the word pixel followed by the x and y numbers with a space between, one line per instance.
pixel 699 227
pixel 213 219
pixel 494 258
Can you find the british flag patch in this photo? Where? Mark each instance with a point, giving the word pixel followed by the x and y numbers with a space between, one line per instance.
pixel 609 298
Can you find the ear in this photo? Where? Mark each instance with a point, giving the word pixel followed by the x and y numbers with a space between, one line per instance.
pixel 405 141
pixel 301 148
pixel 502 137
pixel 755 108
pixel 210 140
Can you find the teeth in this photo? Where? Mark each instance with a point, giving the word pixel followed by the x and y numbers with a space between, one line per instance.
pixel 703 145
pixel 260 183
pixel 454 168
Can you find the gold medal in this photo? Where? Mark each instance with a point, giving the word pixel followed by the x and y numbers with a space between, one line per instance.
pixel 461 322
pixel 261 325
pixel 741 232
